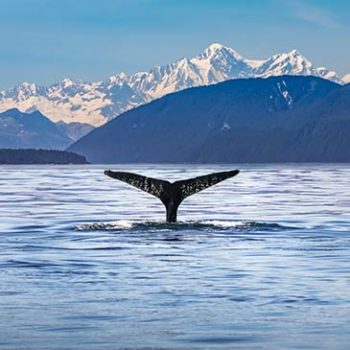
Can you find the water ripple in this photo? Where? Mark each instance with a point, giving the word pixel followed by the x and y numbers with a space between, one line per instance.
pixel 259 262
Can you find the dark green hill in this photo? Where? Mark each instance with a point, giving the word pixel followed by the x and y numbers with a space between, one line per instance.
pixel 32 156
pixel 279 119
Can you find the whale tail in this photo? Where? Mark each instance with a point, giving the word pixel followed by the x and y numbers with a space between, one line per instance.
pixel 171 194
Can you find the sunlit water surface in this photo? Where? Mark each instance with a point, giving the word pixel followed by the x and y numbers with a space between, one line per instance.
pixel 261 261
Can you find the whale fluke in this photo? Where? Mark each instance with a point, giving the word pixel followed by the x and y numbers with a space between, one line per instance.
pixel 171 194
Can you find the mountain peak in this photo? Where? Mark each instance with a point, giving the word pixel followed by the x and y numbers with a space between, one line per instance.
pixel 28 86
pixel 215 49
pixel 184 61
pixel 294 52
pixel 118 79
pixel 290 63
pixel 293 55
pixel 216 46
pixel 35 113
pixel 97 102
pixel 66 82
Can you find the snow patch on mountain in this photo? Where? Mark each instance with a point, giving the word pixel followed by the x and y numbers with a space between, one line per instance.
pixel 346 79
pixel 97 102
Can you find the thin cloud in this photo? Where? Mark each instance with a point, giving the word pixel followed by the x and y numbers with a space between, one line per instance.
pixel 313 14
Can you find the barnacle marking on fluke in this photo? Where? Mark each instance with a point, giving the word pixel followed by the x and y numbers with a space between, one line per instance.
pixel 171 194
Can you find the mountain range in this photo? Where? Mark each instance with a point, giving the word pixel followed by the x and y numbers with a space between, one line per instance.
pixel 98 102
pixel 277 119
pixel 34 130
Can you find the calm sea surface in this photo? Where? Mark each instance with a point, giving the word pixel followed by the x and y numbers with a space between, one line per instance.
pixel 260 261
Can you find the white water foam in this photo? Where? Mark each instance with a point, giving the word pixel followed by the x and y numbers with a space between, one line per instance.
pixel 126 225
pixel 105 226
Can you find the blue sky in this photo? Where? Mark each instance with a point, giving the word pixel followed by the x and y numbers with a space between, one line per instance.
pixel 44 41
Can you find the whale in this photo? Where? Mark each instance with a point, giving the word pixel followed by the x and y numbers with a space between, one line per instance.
pixel 171 194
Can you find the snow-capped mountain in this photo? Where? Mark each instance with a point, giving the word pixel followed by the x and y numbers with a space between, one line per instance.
pixel 97 102
pixel 30 130
pixel 35 130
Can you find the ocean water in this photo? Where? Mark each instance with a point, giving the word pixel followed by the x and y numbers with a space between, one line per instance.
pixel 260 261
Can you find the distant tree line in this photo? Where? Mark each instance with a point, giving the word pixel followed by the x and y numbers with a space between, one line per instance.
pixel 39 156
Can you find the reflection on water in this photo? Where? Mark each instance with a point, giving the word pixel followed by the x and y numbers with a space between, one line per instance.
pixel 260 261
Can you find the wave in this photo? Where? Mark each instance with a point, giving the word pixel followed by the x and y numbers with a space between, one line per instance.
pixel 207 225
